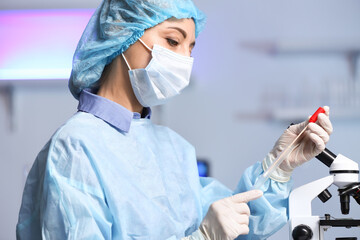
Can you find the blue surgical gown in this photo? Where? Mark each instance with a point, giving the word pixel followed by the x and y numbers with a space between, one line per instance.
pixel 108 173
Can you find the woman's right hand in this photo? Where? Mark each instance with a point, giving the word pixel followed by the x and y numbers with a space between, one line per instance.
pixel 229 217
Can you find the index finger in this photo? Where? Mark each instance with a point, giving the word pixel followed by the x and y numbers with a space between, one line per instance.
pixel 247 196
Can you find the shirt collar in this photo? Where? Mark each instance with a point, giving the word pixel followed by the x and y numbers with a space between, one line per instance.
pixel 109 111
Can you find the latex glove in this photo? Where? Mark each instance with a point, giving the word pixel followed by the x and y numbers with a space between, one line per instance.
pixel 311 144
pixel 229 217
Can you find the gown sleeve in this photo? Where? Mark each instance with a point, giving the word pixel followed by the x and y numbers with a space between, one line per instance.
pixel 268 213
pixel 61 180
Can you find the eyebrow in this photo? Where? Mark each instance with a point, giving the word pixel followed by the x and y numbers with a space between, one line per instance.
pixel 183 33
pixel 180 30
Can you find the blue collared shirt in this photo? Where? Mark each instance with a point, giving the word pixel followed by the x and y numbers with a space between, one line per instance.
pixel 109 111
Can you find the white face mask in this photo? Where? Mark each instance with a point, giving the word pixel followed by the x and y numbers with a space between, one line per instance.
pixel 164 77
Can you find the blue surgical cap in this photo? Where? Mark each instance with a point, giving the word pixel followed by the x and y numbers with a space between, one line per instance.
pixel 115 25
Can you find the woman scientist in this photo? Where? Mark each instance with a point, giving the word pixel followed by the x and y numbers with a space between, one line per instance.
pixel 110 173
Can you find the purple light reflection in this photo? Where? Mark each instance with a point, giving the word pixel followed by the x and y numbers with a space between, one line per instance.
pixel 40 39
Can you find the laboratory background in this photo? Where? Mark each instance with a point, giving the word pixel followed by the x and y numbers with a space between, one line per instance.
pixel 259 66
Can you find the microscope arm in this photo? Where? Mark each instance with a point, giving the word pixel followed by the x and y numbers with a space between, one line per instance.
pixel 300 209
pixel 300 198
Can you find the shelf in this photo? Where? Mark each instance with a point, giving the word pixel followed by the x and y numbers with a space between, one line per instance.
pixel 350 49
pixel 295 115
pixel 305 47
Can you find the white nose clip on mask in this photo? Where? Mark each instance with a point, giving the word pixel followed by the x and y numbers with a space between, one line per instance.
pixel 164 77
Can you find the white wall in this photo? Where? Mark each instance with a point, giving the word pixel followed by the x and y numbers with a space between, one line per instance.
pixel 227 80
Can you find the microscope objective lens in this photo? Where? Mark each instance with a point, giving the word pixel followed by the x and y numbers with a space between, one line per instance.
pixel 345 203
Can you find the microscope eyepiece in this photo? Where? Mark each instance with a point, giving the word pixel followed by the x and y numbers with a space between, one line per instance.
pixel 326 157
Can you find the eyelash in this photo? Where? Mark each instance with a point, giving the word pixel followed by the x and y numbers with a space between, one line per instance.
pixel 172 42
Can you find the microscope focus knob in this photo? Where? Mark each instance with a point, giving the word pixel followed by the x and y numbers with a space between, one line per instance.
pixel 302 232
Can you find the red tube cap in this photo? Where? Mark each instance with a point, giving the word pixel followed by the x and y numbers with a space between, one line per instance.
pixel 314 117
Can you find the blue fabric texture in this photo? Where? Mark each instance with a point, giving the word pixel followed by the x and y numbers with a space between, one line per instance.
pixel 140 185
pixel 93 180
pixel 270 212
pixel 115 26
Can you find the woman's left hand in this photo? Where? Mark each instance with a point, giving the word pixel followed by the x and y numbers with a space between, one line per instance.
pixel 311 144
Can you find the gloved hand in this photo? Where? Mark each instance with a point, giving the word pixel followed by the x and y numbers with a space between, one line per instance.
pixel 307 147
pixel 229 217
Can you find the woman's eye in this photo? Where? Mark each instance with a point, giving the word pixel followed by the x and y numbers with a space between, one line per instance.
pixel 172 42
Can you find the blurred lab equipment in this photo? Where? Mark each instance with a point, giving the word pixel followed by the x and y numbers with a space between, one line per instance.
pixel 344 173
pixel 203 167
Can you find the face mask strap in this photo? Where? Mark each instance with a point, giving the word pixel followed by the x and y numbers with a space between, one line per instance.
pixel 145 45
pixel 126 61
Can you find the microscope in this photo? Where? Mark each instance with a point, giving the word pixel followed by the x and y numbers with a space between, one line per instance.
pixel 344 173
